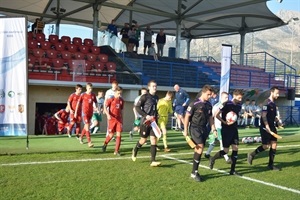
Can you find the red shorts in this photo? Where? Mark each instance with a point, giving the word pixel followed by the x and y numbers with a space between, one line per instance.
pixel 87 118
pixel 61 126
pixel 114 126
pixel 77 119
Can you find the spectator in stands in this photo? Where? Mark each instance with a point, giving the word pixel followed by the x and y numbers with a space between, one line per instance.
pixel 112 28
pixel 245 113
pixel 37 26
pixel 180 104
pixel 124 33
pixel 137 37
pixel 252 110
pixel 160 42
pixel 152 52
pixel 131 41
pixel 147 38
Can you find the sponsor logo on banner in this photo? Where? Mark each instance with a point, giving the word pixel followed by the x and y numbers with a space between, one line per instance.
pixel 11 94
pixel 2 108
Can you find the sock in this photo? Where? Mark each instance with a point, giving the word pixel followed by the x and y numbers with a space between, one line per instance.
pixel 221 145
pixel 137 147
pixel 118 143
pixel 217 155
pixel 272 153
pixel 77 129
pixel 210 148
pixel 108 139
pixel 196 162
pixel 165 140
pixel 95 130
pixel 153 152
pixel 257 150
pixel 82 133
pixel 233 159
pixel 88 136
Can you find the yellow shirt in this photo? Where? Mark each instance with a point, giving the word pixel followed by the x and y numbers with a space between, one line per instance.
pixel 164 107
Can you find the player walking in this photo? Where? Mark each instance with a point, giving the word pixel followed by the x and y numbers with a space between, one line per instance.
pixel 114 115
pixel 267 127
pixel 87 100
pixel 199 113
pixel 146 107
pixel 229 131
pixel 72 103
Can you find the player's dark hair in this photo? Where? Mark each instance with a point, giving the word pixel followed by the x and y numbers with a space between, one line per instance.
pixel 206 88
pixel 169 93
pixel 274 88
pixel 151 81
pixel 237 92
pixel 89 84
pixel 78 86
pixel 119 88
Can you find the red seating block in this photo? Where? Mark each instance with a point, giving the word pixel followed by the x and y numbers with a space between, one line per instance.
pixel 95 50
pixel 88 42
pixel 45 45
pixel 57 63
pixel 51 53
pixel 53 39
pixel 84 49
pixel 40 37
pixel 77 41
pixel 91 57
pixel 72 48
pixel 99 66
pixel 32 44
pixel 30 35
pixel 111 66
pixel 66 40
pixel 103 58
pixel 79 56
pixel 60 47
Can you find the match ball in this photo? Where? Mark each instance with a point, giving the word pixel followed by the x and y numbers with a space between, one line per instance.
pixel 250 139
pixel 231 117
pixel 257 139
pixel 245 140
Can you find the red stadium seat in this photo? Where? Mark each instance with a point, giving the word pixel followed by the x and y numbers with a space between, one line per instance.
pixel 88 65
pixel 72 48
pixel 30 35
pixel 79 56
pixel 88 42
pixel 60 47
pixel 95 50
pixel 53 39
pixel 57 64
pixel 31 62
pixel 66 40
pixel 84 49
pixel 77 41
pixel 103 58
pixel 66 55
pixel 77 65
pixel 40 37
pixel 51 53
pixel 38 53
pixel 99 66
pixel 41 61
pixel 111 67
pixel 91 57
pixel 45 45
pixel 32 44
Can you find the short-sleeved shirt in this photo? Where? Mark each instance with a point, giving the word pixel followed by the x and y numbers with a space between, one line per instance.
pixel 100 102
pixel 64 115
pixel 200 112
pixel 215 109
pixel 73 100
pixel 164 107
pixel 226 108
pixel 87 101
pixel 115 107
pixel 147 105
pixel 271 110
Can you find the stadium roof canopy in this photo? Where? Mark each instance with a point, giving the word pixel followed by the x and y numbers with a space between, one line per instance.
pixel 192 18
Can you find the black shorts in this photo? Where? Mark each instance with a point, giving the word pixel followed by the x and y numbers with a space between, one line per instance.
pixel 146 131
pixel 198 134
pixel 131 41
pixel 147 44
pixel 229 137
pixel 266 137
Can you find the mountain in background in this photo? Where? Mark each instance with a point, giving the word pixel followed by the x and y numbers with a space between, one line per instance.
pixel 277 41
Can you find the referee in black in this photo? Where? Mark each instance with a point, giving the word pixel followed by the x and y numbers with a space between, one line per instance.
pixel 147 108
pixel 199 113
pixel 229 131
pixel 267 126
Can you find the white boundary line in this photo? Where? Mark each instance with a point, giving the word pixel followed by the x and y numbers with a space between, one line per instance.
pixel 167 157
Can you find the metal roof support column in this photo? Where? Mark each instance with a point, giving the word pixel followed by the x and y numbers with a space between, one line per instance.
pixel 242 43
pixel 96 22
pixel 178 37
pixel 57 17
pixel 188 48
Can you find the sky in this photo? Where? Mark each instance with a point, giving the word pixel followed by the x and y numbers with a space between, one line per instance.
pixel 275 6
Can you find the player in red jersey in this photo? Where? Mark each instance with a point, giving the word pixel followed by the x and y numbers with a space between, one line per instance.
pixel 72 103
pixel 62 117
pixel 50 126
pixel 114 112
pixel 87 101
